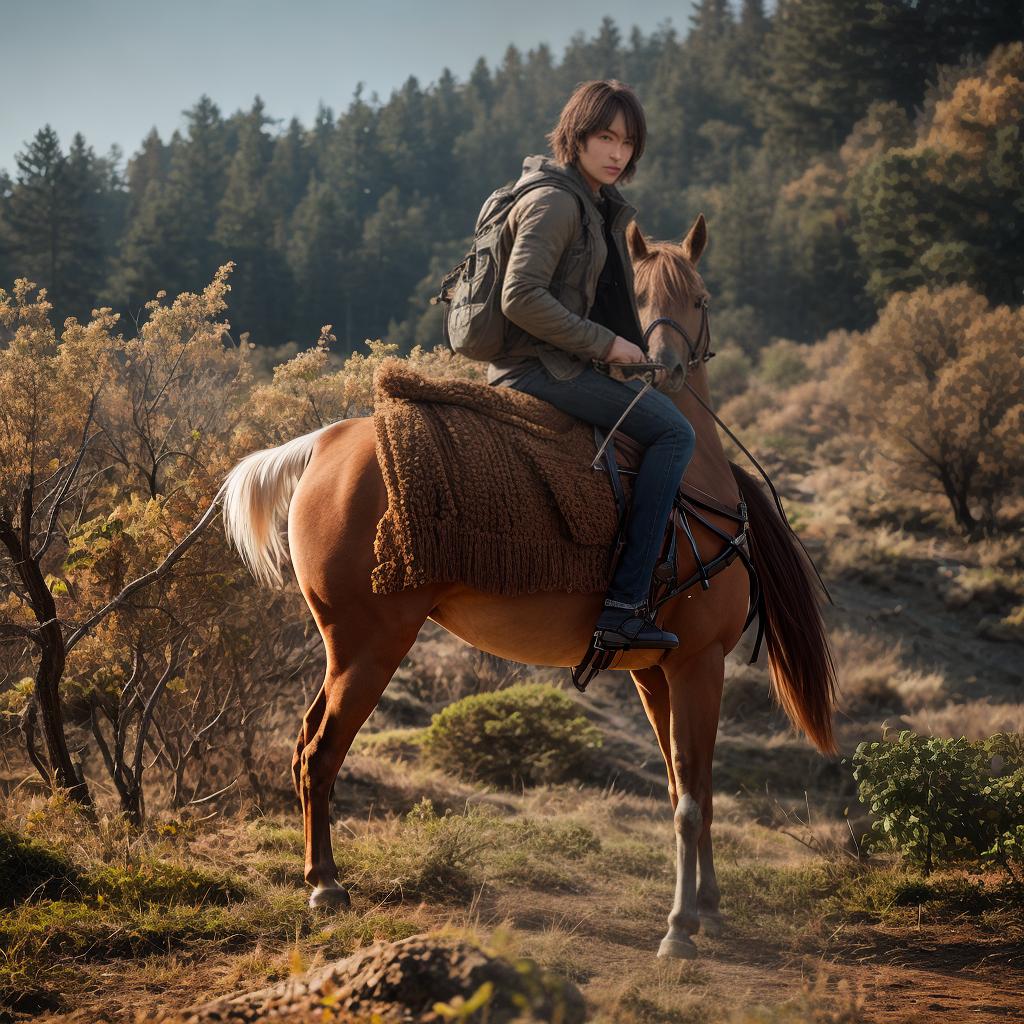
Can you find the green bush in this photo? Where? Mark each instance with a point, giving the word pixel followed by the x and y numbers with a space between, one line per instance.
pixel 523 735
pixel 944 801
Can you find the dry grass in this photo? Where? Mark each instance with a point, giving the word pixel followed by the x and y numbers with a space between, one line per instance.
pixel 874 677
pixel 973 720
pixel 578 878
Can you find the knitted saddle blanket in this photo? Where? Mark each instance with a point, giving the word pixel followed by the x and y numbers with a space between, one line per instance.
pixel 486 486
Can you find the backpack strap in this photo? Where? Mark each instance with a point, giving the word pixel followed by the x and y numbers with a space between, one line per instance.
pixel 540 178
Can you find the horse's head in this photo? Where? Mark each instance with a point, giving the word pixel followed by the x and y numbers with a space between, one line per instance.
pixel 671 295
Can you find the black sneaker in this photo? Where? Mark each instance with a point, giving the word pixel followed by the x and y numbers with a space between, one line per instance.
pixel 629 629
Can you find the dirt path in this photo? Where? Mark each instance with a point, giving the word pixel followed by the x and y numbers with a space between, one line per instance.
pixel 901 975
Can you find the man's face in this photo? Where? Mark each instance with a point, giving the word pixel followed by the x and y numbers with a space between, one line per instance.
pixel 605 153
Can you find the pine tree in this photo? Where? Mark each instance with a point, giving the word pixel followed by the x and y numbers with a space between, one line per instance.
pixel 749 61
pixel 403 143
pixel 245 233
pixel 86 260
pixel 481 85
pixel 753 21
pixel 169 243
pixel 321 135
pixel 38 210
pixel 709 22
pixel 155 254
pixel 287 176
pixel 197 179
pixel 151 163
pixel 395 246
pixel 445 119
pixel 605 51
pixel 499 138
pixel 322 261
pixel 8 269
pixel 822 75
pixel 351 159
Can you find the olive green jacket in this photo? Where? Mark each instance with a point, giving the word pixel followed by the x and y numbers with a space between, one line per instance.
pixel 552 270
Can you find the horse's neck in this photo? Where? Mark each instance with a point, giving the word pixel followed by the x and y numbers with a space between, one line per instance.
pixel 709 467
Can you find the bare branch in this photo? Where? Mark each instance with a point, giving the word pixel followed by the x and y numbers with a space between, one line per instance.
pixel 212 796
pixel 9 632
pixel 147 712
pixel 143 581
pixel 59 500
pixel 97 732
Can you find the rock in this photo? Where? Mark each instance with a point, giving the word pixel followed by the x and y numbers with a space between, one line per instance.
pixel 401 982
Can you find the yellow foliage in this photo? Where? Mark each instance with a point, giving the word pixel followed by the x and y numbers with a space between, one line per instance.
pixel 965 124
pixel 165 414
pixel 936 389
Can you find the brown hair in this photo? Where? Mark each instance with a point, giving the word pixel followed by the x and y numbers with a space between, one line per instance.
pixel 591 108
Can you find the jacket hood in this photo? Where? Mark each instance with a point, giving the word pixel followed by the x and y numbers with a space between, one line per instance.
pixel 543 162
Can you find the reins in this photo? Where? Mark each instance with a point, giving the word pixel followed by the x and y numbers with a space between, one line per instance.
pixel 649 370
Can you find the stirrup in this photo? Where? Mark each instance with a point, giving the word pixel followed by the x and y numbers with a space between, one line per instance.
pixel 597 659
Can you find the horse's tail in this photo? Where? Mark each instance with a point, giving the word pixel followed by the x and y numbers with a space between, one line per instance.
pixel 800 663
pixel 256 495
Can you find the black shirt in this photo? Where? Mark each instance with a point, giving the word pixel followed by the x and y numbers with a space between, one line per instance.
pixel 611 300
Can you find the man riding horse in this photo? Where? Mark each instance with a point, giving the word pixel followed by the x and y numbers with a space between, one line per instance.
pixel 569 297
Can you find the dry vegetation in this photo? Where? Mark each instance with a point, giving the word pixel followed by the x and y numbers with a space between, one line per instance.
pixel 102 920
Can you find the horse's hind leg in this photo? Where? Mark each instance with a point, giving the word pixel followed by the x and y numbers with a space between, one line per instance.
pixel 310 723
pixel 361 659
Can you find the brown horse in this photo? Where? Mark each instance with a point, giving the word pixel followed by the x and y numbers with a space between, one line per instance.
pixel 328 486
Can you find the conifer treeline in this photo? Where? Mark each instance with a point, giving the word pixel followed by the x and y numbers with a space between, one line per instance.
pixel 798 133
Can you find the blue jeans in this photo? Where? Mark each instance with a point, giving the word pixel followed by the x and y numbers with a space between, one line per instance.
pixel 668 439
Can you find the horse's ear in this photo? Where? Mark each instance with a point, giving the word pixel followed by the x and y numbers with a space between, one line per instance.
pixel 696 239
pixel 635 242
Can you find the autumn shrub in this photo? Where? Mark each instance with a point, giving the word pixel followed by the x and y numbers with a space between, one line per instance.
pixel 938 801
pixel 105 493
pixel 783 364
pixel 523 735
pixel 933 391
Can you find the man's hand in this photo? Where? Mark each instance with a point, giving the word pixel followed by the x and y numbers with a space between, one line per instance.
pixel 623 351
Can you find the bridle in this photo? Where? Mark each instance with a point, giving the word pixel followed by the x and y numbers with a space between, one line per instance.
pixel 694 346
pixel 648 371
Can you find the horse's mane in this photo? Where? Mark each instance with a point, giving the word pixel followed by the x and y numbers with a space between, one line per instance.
pixel 664 275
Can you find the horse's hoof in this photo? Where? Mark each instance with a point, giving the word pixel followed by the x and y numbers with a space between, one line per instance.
pixel 677 949
pixel 330 897
pixel 712 925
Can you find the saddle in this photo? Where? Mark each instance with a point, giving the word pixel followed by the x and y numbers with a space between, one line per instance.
pixel 500 490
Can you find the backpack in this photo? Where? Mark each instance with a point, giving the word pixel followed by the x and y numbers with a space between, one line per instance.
pixel 474 324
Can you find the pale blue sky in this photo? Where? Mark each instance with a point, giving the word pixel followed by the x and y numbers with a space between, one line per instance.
pixel 112 69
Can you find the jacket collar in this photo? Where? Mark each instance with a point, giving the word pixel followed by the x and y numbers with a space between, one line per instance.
pixel 622 211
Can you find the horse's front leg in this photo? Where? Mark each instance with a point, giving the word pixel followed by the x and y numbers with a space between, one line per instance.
pixel 708 894
pixel 695 696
